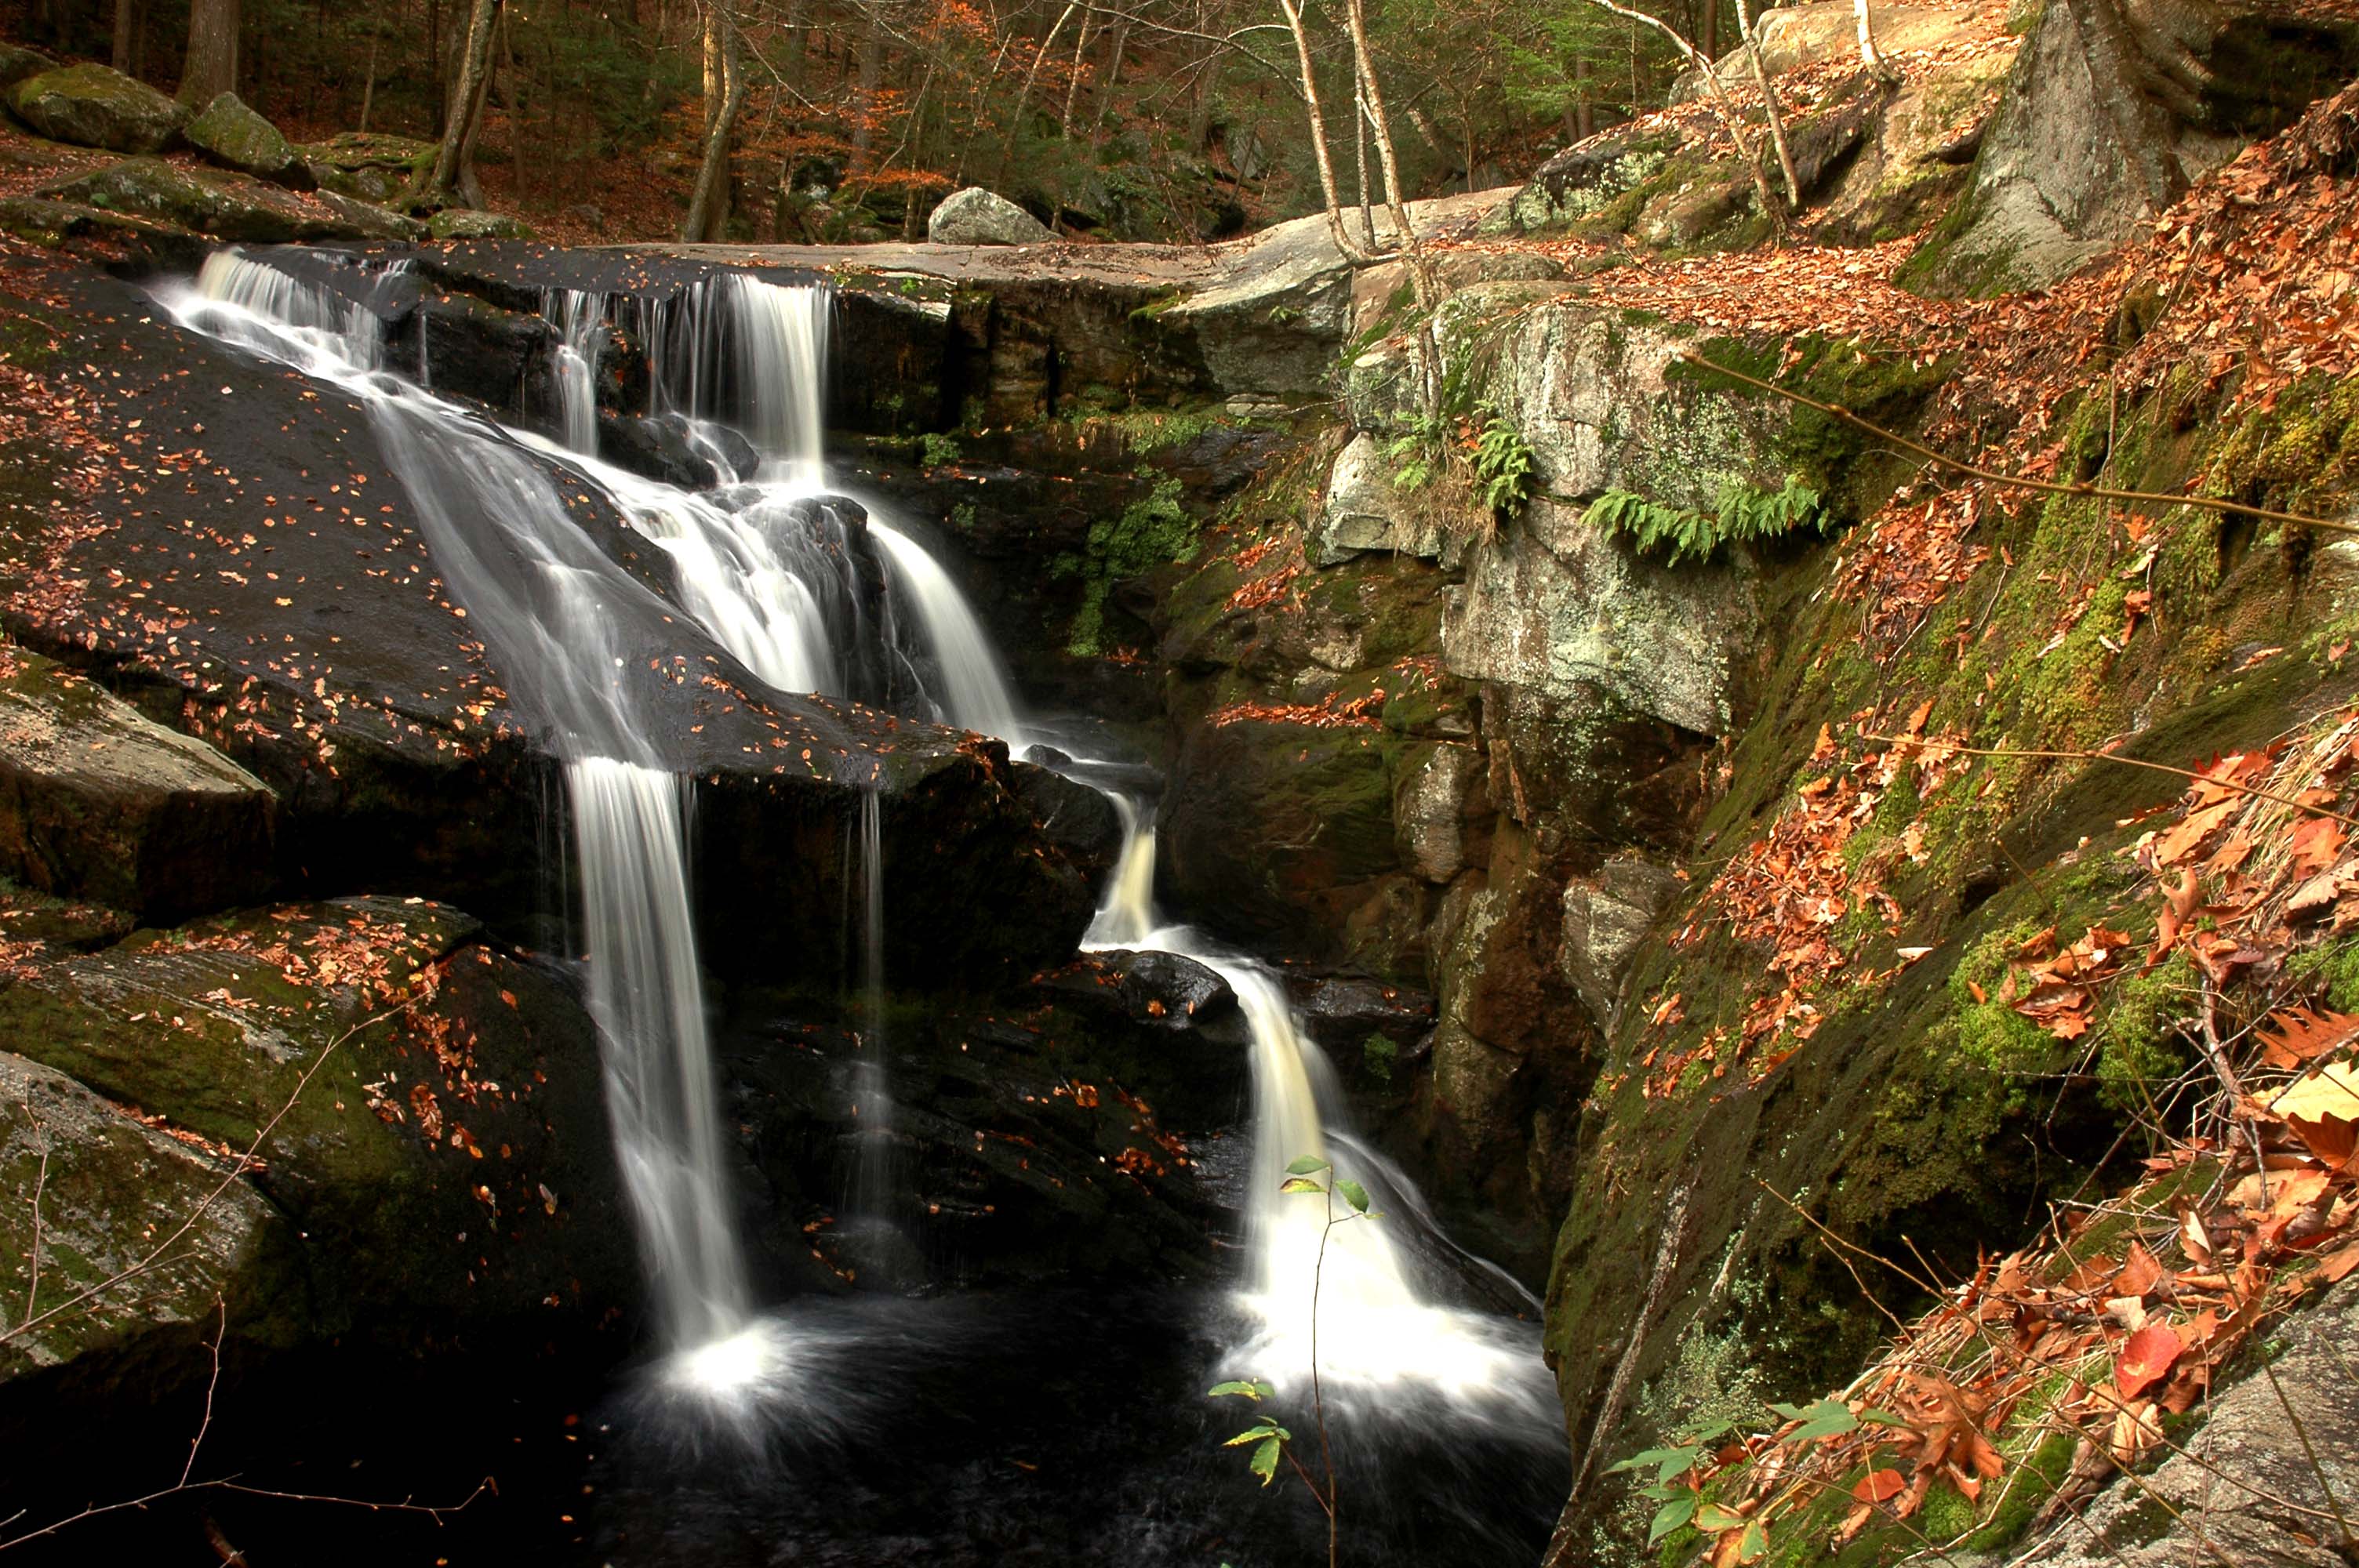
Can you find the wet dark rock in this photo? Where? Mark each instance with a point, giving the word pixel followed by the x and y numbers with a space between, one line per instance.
pixel 737 454
pixel 54 926
pixel 1341 1011
pixel 658 447
pixel 98 802
pixel 475 349
pixel 1073 816
pixel 1016 1152
pixel 93 106
pixel 402 760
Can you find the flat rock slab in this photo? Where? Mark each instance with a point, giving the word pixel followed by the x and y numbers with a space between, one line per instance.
pixel 98 802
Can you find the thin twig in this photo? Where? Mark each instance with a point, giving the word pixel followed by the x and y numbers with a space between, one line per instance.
pixel 211 1383
pixel 2047 486
pixel 2350 1546
pixel 2082 756
pixel 238 1167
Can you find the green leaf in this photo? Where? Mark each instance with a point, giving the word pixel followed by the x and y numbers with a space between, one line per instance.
pixel 1825 1418
pixel 1717 1429
pixel 1712 1519
pixel 1670 1463
pixel 1305 1165
pixel 1254 1434
pixel 1754 1544
pixel 1886 1418
pixel 1255 1390
pixel 1264 1462
pixel 1353 1194
pixel 1670 1516
pixel 1300 1185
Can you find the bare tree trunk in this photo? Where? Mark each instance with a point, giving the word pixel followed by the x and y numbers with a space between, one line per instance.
pixel 1769 104
pixel 210 67
pixel 1869 55
pixel 1721 99
pixel 368 89
pixel 872 72
pixel 1584 112
pixel 1073 82
pixel 708 209
pixel 466 106
pixel 1360 157
pixel 126 31
pixel 1708 31
pixel 1024 93
pixel 1323 158
pixel 1105 95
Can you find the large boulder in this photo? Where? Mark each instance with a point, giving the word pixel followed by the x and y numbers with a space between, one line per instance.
pixel 1557 606
pixel 977 217
pixel 88 1195
pixel 2113 108
pixel 230 134
pixel 98 802
pixel 93 106
pixel 368 166
pixel 1367 509
pixel 18 62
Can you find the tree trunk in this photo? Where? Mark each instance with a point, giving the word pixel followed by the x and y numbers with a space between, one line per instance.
pixel 1769 104
pixel 210 67
pixel 1106 98
pixel 126 33
pixel 708 209
pixel 1073 82
pixel 1869 55
pixel 1024 93
pixel 1708 31
pixel 466 106
pixel 368 89
pixel 872 73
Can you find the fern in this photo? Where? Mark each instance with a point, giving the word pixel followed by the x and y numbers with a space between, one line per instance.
pixel 1502 465
pixel 1744 516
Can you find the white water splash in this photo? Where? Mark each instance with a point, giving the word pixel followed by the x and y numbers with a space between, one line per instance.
pixel 581 321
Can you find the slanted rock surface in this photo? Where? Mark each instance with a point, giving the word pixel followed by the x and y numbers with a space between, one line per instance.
pixel 93 106
pixel 1366 510
pixel 226 205
pixel 98 803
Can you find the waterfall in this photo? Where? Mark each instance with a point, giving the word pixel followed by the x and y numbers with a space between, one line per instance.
pixel 581 320
pixel 734 347
pixel 975 694
pixel 1374 1328
pixel 550 604
pixel 872 1183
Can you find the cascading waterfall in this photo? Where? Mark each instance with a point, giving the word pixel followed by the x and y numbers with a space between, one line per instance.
pixel 546 599
pixel 813 599
pixel 1374 1328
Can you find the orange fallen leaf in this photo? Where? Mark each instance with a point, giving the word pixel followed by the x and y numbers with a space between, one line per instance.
pixel 2145 1356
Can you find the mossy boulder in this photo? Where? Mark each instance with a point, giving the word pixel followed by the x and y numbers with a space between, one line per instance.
pixel 98 802
pixel 230 134
pixel 432 1104
pixel 368 165
pixel 93 106
pixel 90 1193
pixel 18 62
pixel 225 205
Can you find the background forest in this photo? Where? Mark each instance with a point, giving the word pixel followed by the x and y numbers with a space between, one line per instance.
pixel 1173 120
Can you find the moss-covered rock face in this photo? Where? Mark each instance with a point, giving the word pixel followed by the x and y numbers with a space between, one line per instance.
pixel 98 802
pixel 428 1108
pixel 454 223
pixel 89 1192
pixel 93 106
pixel 368 166
pixel 1917 1103
pixel 231 135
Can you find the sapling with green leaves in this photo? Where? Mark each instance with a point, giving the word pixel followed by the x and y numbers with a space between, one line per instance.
pixel 1270 1442
pixel 1678 1485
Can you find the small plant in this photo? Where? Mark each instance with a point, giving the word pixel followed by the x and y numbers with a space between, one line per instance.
pixel 1504 470
pixel 1151 531
pixel 1745 514
pixel 938 451
pixel 1419 452
pixel 1270 1441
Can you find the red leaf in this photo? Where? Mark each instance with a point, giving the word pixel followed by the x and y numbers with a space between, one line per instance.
pixel 2145 1358
pixel 1878 1486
